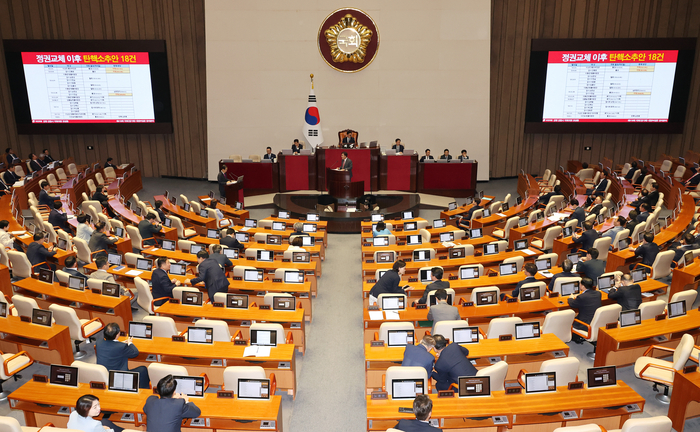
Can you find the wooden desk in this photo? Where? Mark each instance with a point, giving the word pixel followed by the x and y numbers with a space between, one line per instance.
pixel 87 305
pixel 228 211
pixel 685 278
pixel 197 358
pixel 220 412
pixel 406 251
pixel 45 344
pixel 453 179
pixel 623 346
pixel 189 216
pixel 60 257
pixel 128 217
pixel 685 402
pixel 318 235
pixel 238 319
pixel 318 250
pixel 320 225
pixel 519 354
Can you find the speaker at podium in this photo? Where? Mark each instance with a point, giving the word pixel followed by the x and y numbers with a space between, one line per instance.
pixel 340 184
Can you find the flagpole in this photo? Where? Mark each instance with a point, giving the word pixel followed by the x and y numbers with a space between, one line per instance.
pixel 312 81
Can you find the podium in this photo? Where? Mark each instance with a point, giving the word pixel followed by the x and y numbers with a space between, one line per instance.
pixel 340 185
pixel 234 192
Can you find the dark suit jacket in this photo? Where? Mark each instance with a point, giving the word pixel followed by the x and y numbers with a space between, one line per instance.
pixel 630 174
pixel 42 161
pixel 110 165
pixel 596 209
pixel 162 286
pixel 462 158
pixel 449 157
pixel 416 355
pixel 647 252
pixel 387 284
pixel 451 365
pixel 221 259
pixel 161 215
pixel 100 241
pixel 347 165
pixel 586 303
pixel 592 269
pixel 213 276
pixel 296 149
pixel 650 199
pixel 10 178
pixel 270 156
pixel 587 238
pixel 221 179
pixel 642 217
pixel 37 253
pixel 165 415
pixel 398 149
pixel 423 158
pixel 631 225
pixel 48 158
pixel 115 355
pixel 59 220
pixel 147 229
pixel 414 426
pixel 544 199
pixel 46 199
pixel 35 165
pixel 468 216
pixel 629 297
pixel 348 140
pixel 527 280
pixel 231 243
pixel 693 180
pixel 12 159
pixel 438 284
pixel 102 198
pixel 579 214
pixel 558 275
pixel 681 250
pixel 74 272
pixel 601 186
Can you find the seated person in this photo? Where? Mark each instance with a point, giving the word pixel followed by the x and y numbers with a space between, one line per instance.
pixel 632 222
pixel 452 363
pixel 84 231
pixel 87 407
pixel 643 173
pixel 463 157
pixel 644 210
pixel 591 266
pixel 158 207
pixel 566 271
pixel 446 155
pixel 218 256
pixel 45 198
pixel 599 189
pixel 10 177
pixel 596 207
pixel 71 267
pixel 633 169
pixel 214 205
pixel 298 230
pixel 584 166
pixel 691 183
pixel 578 213
pixel 423 409
pixel 297 147
pixel 530 270
pixel 651 198
pixel 114 355
pixel 34 164
pixel 269 155
pixel 427 156
pixel 380 230
pixel 348 140
pixel 419 355
pixel 229 240
pixel 110 164
pixel 465 221
pixel 586 302
pixel 102 274
pixel 389 282
pixel 398 146
pixel 166 411
pixel 544 198
pixel 587 237
pixel 6 238
pixel 103 199
pixel 148 228
pixel 442 311
pixel 100 241
pixel 38 253
pixel 58 218
pixel 296 245
pixel 618 225
pixel 436 284
pixel 686 244
pixel 647 251
pixel 162 284
pixel 626 293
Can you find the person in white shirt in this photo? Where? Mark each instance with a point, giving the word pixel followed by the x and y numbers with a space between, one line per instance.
pixel 87 407
pixel 84 231
pixel 5 237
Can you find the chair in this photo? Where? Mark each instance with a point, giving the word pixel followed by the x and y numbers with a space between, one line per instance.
pixel 545 177
pixel 162 326
pixel 234 373
pixel 431 251
pixel 533 216
pixel 558 282
pixel 566 369
pixel 100 179
pixel 116 223
pixel 52 236
pixel 11 365
pixel 184 199
pixel 496 207
pixel 502 326
pixel 476 291
pixel 649 310
pixel 220 327
pixel 62 276
pixel 648 424
pixel 679 173
pixel 383 333
pixel 603 315
pixel 547 242
pixel 445 328
pixel 24 305
pixel 662 371
pixel 519 261
pixel 688 296
pixel 505 232
pixel 662 264
pixel 64 235
pixel 476 214
pixel 550 208
pixel 178 291
pixel 196 207
pixel 261 236
pixel 110 174
pixel 623 234
pixel 594 182
pixel 157 371
pixel 278 328
pixel 91 186
pixel 542 286
pixel 236 157
pixel 255 158
pixel 425 235
pixel 571 224
pixel 403 373
pixel 91 372
pixel 269 298
pixel 552 257
pixel 559 323
pixel 185 245
pixel 130 258
pixel 506 200
pixel 136 239
pixel 21 267
pixel 468 249
pixel 497 372
pixel 10 424
pixel 221 223
pixel 603 246
pixel 374 256
pixel 583 428
pixel 426 282
pixel 502 245
pixel 145 297
pixel 666 166
pixel 182 232
pixel 4 259
pixel 80 329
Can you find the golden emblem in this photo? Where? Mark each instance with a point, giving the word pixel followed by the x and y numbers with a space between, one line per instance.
pixel 348 40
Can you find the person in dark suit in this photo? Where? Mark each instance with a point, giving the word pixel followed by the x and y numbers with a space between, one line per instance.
pixel 596 206
pixel 587 302
pixel 99 239
pixel 11 157
pixel 44 197
pixel 647 251
pixel 641 198
pixel 34 164
pixel 58 218
pixel 398 146
pixel 686 244
pixel 694 180
pixel 463 157
pixel 419 355
pixel 115 355
pixel 148 228
pixel 465 221
pixel 579 213
pixel 158 207
pixel 348 141
pixel 436 284
pixel 109 163
pixel 162 284
pixel 297 147
pixel 544 199
pixel 42 160
pixel 627 293
pixel 423 409
pixel 38 253
pixel 427 156
pixel 566 268
pixel 219 257
pixel 165 412
pixel 632 222
pixel 10 177
pixel 389 283
pixel 653 196
pixel 633 169
pixel 643 173
pixel 591 266
pixel 230 241
pixel 442 311
pixel 643 213
pixel 446 155
pixel 103 199
pixel 47 157
pixel 587 237
pixel 346 164
pixel 4 189
pixel 599 189
pixel 71 267
pixel 222 180
pixel 211 274
pixel 451 364
pixel 269 155
pixel 530 270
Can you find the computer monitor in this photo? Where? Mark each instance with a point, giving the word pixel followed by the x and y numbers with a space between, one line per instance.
pixel 251 223
pixel 212 233
pixel 468 201
pixel 675 309
pixel 399 338
pixel 305 257
pixel 543 264
pixel 451 206
pixel 265 255
pixel 137 210
pixel 439 223
pixel 410 226
pixel 263 337
pixel 630 317
pixel 474 386
pixel 178 269
pixel 384 256
pixel 195 248
pixel 192 386
pixel 414 239
pixel 140 330
pixel 465 335
pixel 242 237
pixel 114 259
pixel 238 205
pixel 573 257
pixel 381 273
pixel 426 275
pixel 250 388
pixel 123 381
pixel 393 302
pixel 688 258
pixel 380 241
pixel 110 289
pixel 283 303
pixel 540 216
pixel 204 213
pixel 293 276
pixel 640 237
pixel 432 300
pixel 518 200
pixel 309 228
pixel 237 301
pixel 520 245
pixel 487 298
pixel 377 217
pixel 623 243
pixel 540 382
pixel 145 264
pixel 486 213
pixel 529 293
pixel 192 298
pixel 421 255
pixel 522 222
pixel 46 275
pixel 481 194
pixel 569 288
pixel 282 214
pixel 62 244
pixel 602 376
pixel 606 282
pixel 253 275
pixel 63 375
pixel 506 269
pixel 407 215
pixel 201 335
pixel 231 253
pixel 308 241
pixel 76 283
pixel 41 317
pixel 447 237
pixel 505 207
pixel 407 388
pixel 471 272
pixel 490 249
pixel 169 245
pixel 457 252
pixel 638 275
pixel 657 228
pixel 3 310
pixel 527 330
pixel 600 218
pixel 168 222
pixel 568 231
pixel 279 226
pixel 475 233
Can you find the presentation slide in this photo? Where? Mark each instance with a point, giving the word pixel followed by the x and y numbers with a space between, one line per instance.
pixel 89 87
pixel 609 86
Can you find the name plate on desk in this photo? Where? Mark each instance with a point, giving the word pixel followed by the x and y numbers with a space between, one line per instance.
pixel 367 244
pixel 444 257
pixel 264 307
pixel 178 338
pixel 224 394
pixel 421 306
pixel 373 307
pixel 250 258
pixel 514 390
pixel 174 301
pixel 690 369
pixel 576 385
pixel 98 385
pixel 469 303
pixel 237 278
pixel 96 290
pixel 370 261
pixel 379 343
pixel 503 338
pixel 277 280
pixel 610 326
pixel 553 294
pixel 379 395
pixel 240 342
pixel 25 319
pixel 413 279
pixel 434 241
pixel 660 317
pixel 511 299
pixel 401 243
pixel 452 278
pixel 446 394
pixel 371 281
pixel 218 304
pixel 407 260
pixel 286 260
pixel 40 378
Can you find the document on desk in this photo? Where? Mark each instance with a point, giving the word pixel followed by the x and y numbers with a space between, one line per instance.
pixel 545 273
pixel 257 351
pixel 529 252
pixel 244 229
pixel 501 214
pixel 376 315
pixel 448 244
pixel 264 351
pixel 392 315
pixel 16 233
pixel 133 272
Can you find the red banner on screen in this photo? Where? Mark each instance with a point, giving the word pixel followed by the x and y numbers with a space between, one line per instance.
pixel 85 58
pixel 613 56
pixel 95 121
pixel 597 120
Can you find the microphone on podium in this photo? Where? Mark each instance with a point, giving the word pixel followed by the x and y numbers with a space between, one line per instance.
pixel 334 163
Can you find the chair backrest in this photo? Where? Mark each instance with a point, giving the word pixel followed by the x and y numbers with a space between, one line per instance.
pixel 184 199
pixel 234 373
pixel 145 296
pixel 666 165
pixel 649 310
pixel 260 236
pixel 552 257
pixel 66 316
pixel 177 291
pixel 52 236
pixel 4 259
pixel 497 372
pixel 566 369
pixel 110 173
pixel 502 245
pixel 496 207
pixel 425 235
pixel 374 256
pixel 24 305
pixel 427 268
pixel 603 246
pixel 431 294
pixel 541 285
pixel 603 315
pixel 649 424
pixel 185 245
pixel 116 223
pixel 62 276
pixel 683 350
pixel 506 199
pixel 135 236
pixel 550 208
pixel 477 214
pixel 157 371
pixel 403 373
pixel 21 267
pixel 445 327
pixel 64 235
pixel 559 323
pixel 176 222
pixel 518 260
pixel 680 172
pixel 583 428
pixel 625 168
pixel 688 296
pixel 221 331
pixel 571 224
pixel 502 326
pixel 533 216
pixel 99 178
pixel 239 270
pixel 552 180
pixel 72 169
pixel 431 251
pixel 547 173
pixel 635 176
pixel 270 297
pixel 662 264
pixel 385 327
pixel 270 326
pixel 162 326
pixel 476 291
pixel 381 296
pixel 196 207
pixel 10 424
pixel 91 372
pixel 596 178
pixel 510 223
pixel 549 236
pixel 130 258
pixel 623 234
pixel 639 228
pixel 480 266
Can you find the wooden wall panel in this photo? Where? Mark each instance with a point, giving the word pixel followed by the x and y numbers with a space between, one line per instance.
pixel 179 22
pixel 516 22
